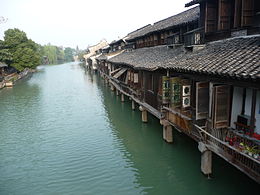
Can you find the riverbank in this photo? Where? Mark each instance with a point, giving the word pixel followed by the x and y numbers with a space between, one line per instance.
pixel 11 79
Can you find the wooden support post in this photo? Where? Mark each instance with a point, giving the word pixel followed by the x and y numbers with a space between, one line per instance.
pixel 117 92
pixel 167 133
pixel 206 159
pixel 133 105
pixel 144 116
pixel 122 97
pixel 112 87
pixel 206 162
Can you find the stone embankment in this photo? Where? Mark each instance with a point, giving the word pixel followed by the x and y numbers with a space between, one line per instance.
pixel 9 80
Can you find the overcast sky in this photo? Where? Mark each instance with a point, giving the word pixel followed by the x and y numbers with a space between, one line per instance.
pixel 83 22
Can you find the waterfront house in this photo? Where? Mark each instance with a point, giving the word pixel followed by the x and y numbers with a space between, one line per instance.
pixel 200 76
pixel 92 52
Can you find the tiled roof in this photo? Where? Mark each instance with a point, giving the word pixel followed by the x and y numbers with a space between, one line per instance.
pixel 179 19
pixel 193 2
pixel 101 57
pixel 149 58
pixel 109 55
pixel 139 32
pixel 236 57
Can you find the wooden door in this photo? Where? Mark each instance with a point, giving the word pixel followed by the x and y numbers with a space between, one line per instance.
pixel 247 12
pixel 211 17
pixel 224 10
pixel 221 106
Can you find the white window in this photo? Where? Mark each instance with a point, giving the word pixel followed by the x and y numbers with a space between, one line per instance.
pixel 135 77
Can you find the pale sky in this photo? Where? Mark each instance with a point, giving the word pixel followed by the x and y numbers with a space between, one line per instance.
pixel 70 23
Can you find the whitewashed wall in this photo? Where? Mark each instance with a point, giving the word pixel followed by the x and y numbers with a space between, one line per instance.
pixel 237 106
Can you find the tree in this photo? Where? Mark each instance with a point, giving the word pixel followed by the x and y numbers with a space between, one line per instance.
pixel 69 53
pixel 19 51
pixel 14 37
pixel 5 54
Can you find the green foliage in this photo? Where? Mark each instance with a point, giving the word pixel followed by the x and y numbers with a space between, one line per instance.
pixel 56 55
pixel 25 58
pixel 6 56
pixel 69 53
pixel 14 37
pixel 18 51
pixel 81 55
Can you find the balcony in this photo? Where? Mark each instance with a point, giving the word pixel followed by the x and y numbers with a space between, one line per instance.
pixel 238 149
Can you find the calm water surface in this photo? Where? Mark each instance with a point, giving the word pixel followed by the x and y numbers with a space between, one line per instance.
pixel 62 131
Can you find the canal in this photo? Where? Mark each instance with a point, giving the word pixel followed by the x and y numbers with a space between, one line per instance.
pixel 62 131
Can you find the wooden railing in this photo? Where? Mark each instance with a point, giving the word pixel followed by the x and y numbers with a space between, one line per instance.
pixel 232 151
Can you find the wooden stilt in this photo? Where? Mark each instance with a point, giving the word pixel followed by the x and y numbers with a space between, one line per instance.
pixel 117 92
pixel 133 105
pixel 167 133
pixel 122 97
pixel 112 87
pixel 206 161
pixel 144 116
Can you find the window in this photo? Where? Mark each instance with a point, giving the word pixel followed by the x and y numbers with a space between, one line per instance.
pixel 220 106
pixel 150 82
pixel 202 100
pixel 175 91
pixel 165 89
pixel 135 77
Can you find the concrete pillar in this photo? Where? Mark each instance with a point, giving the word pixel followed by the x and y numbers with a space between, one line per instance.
pixel 133 105
pixel 122 97
pixel 144 116
pixel 206 159
pixel 117 92
pixel 167 133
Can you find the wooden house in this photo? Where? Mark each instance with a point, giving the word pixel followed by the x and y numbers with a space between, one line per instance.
pixel 166 31
pixel 204 83
pixel 221 19
pixel 93 52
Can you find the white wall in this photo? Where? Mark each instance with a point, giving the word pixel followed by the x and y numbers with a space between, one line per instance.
pixel 249 93
pixel 236 105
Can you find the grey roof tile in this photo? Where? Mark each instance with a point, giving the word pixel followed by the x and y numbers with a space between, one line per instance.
pixel 236 57
pixel 175 20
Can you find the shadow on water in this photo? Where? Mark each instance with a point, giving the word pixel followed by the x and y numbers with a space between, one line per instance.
pixel 163 168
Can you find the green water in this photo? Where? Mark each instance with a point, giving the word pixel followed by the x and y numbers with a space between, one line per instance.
pixel 62 131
